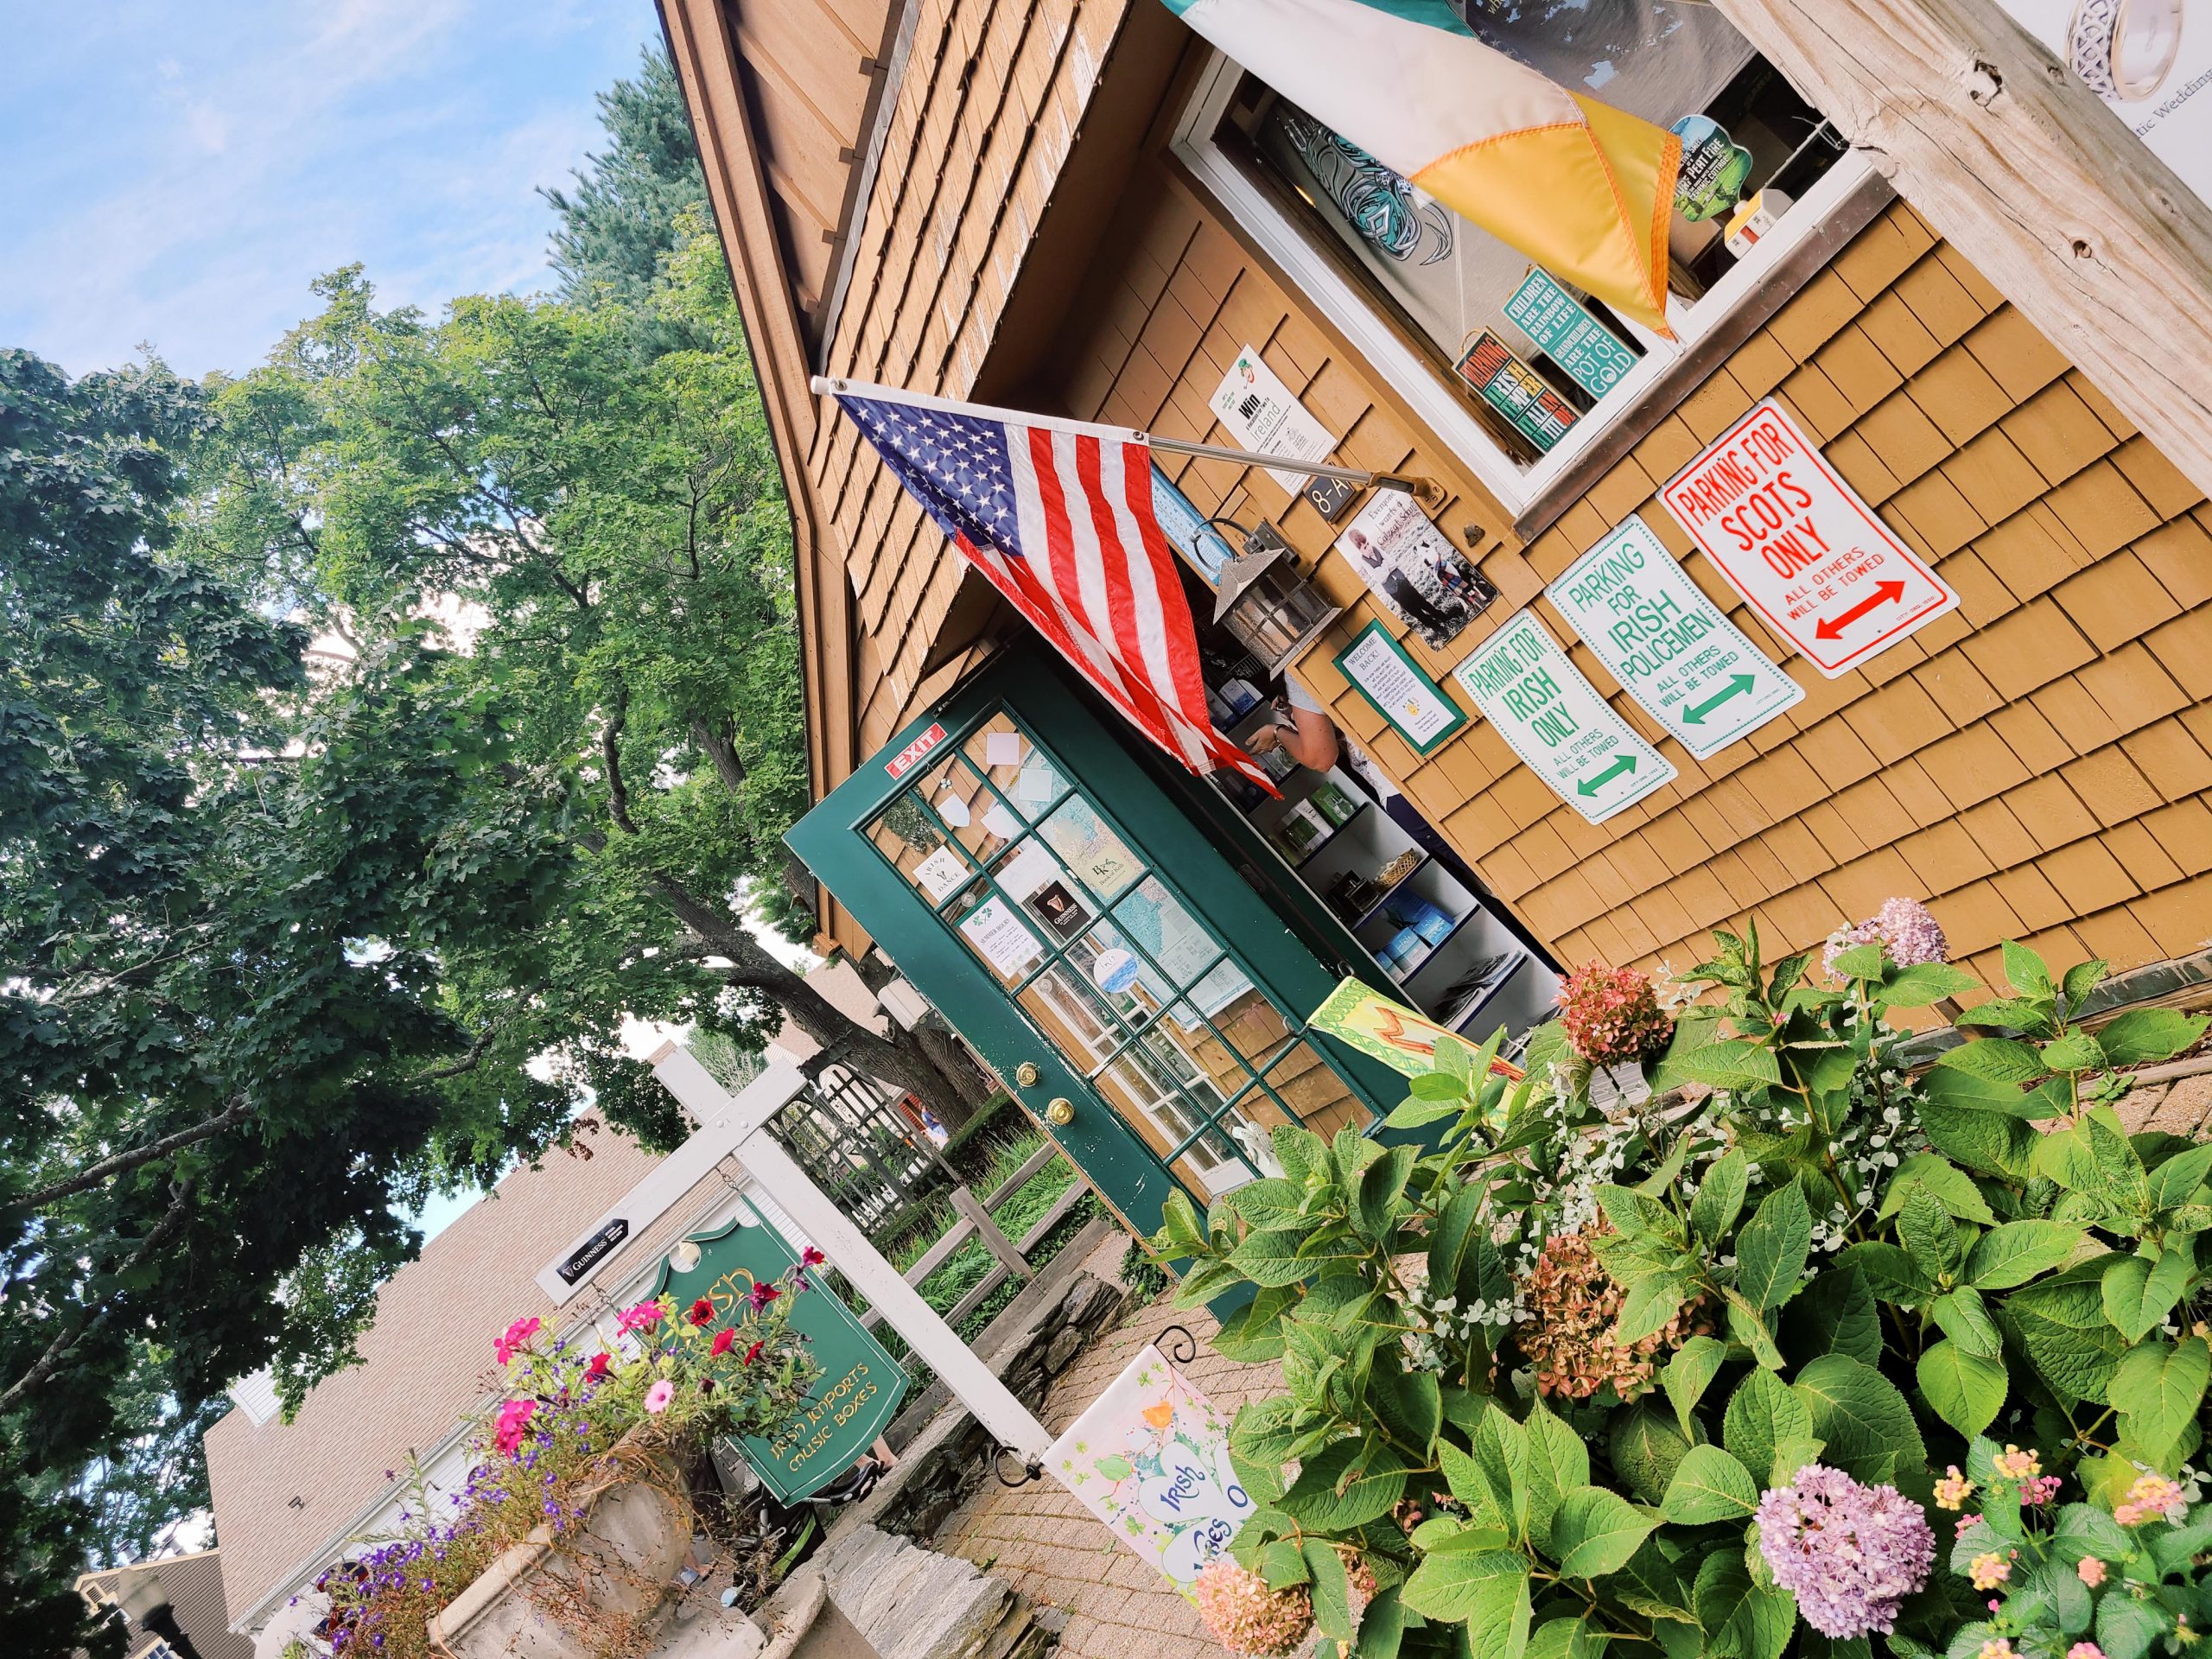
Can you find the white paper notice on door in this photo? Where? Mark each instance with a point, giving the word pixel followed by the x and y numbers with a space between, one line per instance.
pixel 940 873
pixel 1029 867
pixel 1265 416
pixel 1002 938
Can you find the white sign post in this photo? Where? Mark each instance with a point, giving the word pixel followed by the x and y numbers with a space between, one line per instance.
pixel 738 1124
pixel 1671 648
pixel 1558 724
pixel 1812 558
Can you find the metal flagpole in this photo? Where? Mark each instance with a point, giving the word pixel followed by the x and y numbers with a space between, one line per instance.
pixel 1424 488
pixel 746 1118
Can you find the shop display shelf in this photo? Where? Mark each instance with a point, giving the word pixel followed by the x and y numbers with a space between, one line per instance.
pixel 1458 1019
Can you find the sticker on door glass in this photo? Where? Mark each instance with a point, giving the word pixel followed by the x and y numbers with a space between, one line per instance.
pixel 1063 912
pixel 1002 748
pixel 1114 970
pixel 1002 938
pixel 1100 858
pixel 1000 822
pixel 940 874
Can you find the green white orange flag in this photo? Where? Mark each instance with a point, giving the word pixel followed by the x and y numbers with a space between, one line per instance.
pixel 1581 187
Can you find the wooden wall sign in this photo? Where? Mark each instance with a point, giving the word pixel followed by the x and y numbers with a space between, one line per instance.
pixel 1813 559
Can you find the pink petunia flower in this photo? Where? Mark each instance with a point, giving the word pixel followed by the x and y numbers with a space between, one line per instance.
pixel 513 1424
pixel 520 1332
pixel 659 1395
pixel 597 1369
pixel 643 1317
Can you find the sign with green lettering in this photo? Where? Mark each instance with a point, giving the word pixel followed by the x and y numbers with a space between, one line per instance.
pixel 1591 353
pixel 860 1385
pixel 1558 724
pixel 1670 646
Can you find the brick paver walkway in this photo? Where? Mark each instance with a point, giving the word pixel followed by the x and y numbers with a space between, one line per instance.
pixel 1056 1552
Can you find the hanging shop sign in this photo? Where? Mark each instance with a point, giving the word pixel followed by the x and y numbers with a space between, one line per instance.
pixel 1714 169
pixel 1265 416
pixel 1669 645
pixel 1558 724
pixel 1150 1459
pixel 1523 397
pixel 1406 563
pixel 1361 1017
pixel 2140 58
pixel 1812 558
pixel 1587 352
pixel 859 1386
pixel 1418 709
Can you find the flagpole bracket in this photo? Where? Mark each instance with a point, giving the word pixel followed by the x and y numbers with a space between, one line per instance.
pixel 1421 489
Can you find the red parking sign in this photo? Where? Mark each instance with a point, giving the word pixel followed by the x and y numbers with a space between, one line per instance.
pixel 1796 542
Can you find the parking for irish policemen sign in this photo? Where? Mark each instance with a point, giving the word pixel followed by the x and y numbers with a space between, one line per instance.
pixel 1671 648
pixel 1558 724
pixel 1798 544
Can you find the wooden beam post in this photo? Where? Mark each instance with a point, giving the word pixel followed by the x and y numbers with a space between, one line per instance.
pixel 2033 178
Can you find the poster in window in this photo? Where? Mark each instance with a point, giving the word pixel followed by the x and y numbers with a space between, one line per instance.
pixel 1516 392
pixel 1405 561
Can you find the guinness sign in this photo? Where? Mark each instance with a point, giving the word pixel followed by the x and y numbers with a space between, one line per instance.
pixel 594 1251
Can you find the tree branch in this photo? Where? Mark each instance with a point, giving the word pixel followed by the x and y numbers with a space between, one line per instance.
pixel 93 1174
pixel 95 1316
pixel 722 751
pixel 610 753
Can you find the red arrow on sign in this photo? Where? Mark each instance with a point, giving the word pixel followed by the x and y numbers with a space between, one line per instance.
pixel 1885 593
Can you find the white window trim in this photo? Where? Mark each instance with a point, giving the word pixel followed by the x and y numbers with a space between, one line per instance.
pixel 1317 278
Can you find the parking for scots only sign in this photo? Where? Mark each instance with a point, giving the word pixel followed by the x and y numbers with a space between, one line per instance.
pixel 1813 559
pixel 1672 649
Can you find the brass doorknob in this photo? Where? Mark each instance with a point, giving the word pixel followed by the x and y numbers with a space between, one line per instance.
pixel 1026 1074
pixel 1060 1113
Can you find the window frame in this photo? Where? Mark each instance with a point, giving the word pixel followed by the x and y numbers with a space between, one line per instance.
pixel 1666 372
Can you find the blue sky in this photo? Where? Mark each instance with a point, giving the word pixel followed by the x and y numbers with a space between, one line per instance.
pixel 177 172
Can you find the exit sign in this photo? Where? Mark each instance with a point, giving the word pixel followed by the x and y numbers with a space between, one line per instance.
pixel 1796 542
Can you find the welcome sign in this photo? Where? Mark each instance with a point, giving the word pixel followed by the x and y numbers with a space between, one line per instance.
pixel 852 1401
pixel 1150 1459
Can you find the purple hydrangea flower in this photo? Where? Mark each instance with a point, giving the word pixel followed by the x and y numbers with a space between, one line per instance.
pixel 1851 1554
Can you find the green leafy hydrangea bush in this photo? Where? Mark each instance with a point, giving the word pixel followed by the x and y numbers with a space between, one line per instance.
pixel 1802 1354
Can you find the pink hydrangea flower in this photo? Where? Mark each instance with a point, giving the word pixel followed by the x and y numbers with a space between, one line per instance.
pixel 1906 930
pixel 1850 1553
pixel 506 1347
pixel 1245 1616
pixel 1611 1017
pixel 659 1395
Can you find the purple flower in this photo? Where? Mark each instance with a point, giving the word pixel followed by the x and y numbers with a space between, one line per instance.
pixel 1852 1554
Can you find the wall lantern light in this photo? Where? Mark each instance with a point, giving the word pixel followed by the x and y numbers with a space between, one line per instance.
pixel 1270 609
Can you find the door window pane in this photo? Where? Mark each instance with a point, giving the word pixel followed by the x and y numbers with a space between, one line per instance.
pixel 1021 772
pixel 1178 946
pixel 1087 844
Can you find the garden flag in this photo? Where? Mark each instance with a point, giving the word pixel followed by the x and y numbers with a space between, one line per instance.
pixel 1584 189
pixel 1059 515
pixel 1150 1459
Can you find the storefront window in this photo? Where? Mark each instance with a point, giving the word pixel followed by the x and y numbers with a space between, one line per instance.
pixel 1530 369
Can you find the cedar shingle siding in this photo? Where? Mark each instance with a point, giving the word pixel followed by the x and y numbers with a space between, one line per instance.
pixel 2035 765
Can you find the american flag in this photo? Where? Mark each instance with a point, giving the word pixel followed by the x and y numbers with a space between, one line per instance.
pixel 1059 516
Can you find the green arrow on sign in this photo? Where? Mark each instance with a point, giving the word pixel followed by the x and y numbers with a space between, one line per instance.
pixel 1737 684
pixel 1592 785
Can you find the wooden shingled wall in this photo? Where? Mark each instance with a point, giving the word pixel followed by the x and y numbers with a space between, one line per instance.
pixel 984 120
pixel 2034 766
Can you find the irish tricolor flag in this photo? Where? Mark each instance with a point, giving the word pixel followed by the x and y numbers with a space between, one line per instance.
pixel 1581 187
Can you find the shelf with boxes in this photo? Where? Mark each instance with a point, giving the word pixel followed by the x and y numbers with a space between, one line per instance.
pixel 1449 953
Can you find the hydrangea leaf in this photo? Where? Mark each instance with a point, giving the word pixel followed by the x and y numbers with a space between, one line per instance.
pixel 1762 1413
pixel 1865 1420
pixel 1709 1485
pixel 1772 1249
pixel 1595 1531
pixel 1966 1389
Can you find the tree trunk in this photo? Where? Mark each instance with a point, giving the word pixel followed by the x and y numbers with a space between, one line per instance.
pixel 844 1040
pixel 939 1043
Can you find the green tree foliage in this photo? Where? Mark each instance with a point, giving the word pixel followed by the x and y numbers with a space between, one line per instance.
pixel 222 1032
pixel 590 549
pixel 619 223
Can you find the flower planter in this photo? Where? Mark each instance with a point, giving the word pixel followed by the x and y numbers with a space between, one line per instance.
pixel 610 1574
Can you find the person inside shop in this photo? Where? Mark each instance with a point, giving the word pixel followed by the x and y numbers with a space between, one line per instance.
pixel 1310 737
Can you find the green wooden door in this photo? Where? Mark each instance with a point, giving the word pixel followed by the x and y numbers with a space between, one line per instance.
pixel 1088 940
